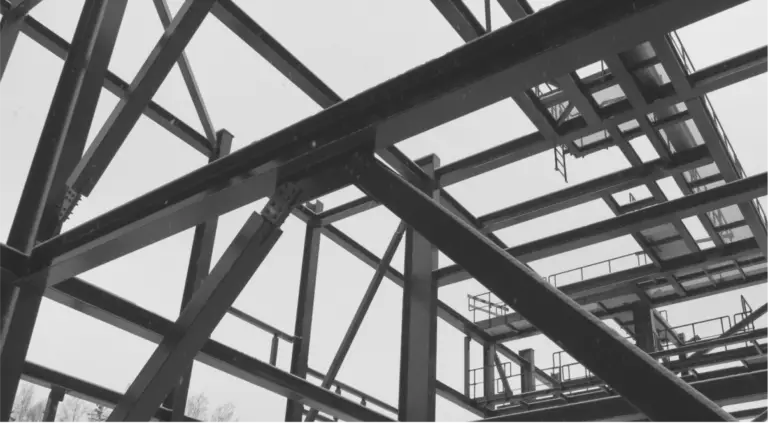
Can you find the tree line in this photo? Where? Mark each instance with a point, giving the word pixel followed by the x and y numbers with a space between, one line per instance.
pixel 26 409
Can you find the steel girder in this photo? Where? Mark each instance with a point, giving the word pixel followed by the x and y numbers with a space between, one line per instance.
pixel 227 206
pixel 362 310
pixel 458 83
pixel 114 84
pixel 207 306
pixel 61 142
pixel 117 312
pixel 722 196
pixel 199 261
pixel 724 390
pixel 580 384
pixel 618 284
pixel 622 365
pixel 305 306
pixel 706 80
pixel 43 376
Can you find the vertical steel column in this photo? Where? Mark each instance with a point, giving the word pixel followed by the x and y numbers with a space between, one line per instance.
pixel 197 270
pixel 304 309
pixel 467 345
pixel 273 350
pixel 69 119
pixel 205 310
pixel 362 310
pixel 418 348
pixel 52 405
pixel 527 378
pixel 502 375
pixel 644 323
pixel 10 29
pixel 489 357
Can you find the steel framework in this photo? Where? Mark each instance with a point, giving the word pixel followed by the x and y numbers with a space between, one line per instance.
pixel 656 93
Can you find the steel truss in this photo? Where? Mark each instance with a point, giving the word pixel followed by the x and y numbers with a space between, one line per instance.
pixel 346 145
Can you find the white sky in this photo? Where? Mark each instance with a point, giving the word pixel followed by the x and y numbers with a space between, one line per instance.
pixel 351 46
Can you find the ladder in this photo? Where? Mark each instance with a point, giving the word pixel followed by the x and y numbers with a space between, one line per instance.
pixel 560 165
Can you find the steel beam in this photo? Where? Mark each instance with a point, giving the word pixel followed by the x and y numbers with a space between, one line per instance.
pixel 622 365
pixel 60 48
pixel 62 139
pixel 205 309
pixel 9 29
pixel 52 404
pixel 110 309
pixel 234 18
pixel 362 310
pixel 706 80
pixel 534 399
pixel 22 9
pixel 722 196
pixel 467 365
pixel 724 390
pixel 444 312
pixel 164 13
pixel 457 398
pixel 527 381
pixel 737 327
pixel 78 388
pixel 489 379
pixel 197 269
pixel 643 323
pixel 594 189
pixel 460 82
pixel 618 284
pixel 304 309
pixel 418 346
pixel 144 86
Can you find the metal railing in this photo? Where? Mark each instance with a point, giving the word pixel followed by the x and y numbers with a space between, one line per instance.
pixel 697 331
pixel 611 265
pixel 485 304
pixel 687 63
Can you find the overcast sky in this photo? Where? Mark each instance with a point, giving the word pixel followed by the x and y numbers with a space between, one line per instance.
pixel 351 46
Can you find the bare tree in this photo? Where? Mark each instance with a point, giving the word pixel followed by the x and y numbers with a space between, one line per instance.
pixel 197 406
pixel 99 414
pixel 35 413
pixel 73 410
pixel 23 402
pixel 224 413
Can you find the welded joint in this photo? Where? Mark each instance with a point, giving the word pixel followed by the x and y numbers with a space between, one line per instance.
pixel 281 203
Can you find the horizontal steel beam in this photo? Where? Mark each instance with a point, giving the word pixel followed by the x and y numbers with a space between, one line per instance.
pixel 581 383
pixel 127 316
pixel 464 80
pixel 49 378
pixel 59 47
pixel 724 391
pixel 620 284
pixel 723 74
pixel 722 196
pixel 595 189
pixel 166 220
pixel 459 399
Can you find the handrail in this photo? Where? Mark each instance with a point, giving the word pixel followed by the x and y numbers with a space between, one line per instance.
pixel 687 64
pixel 642 258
